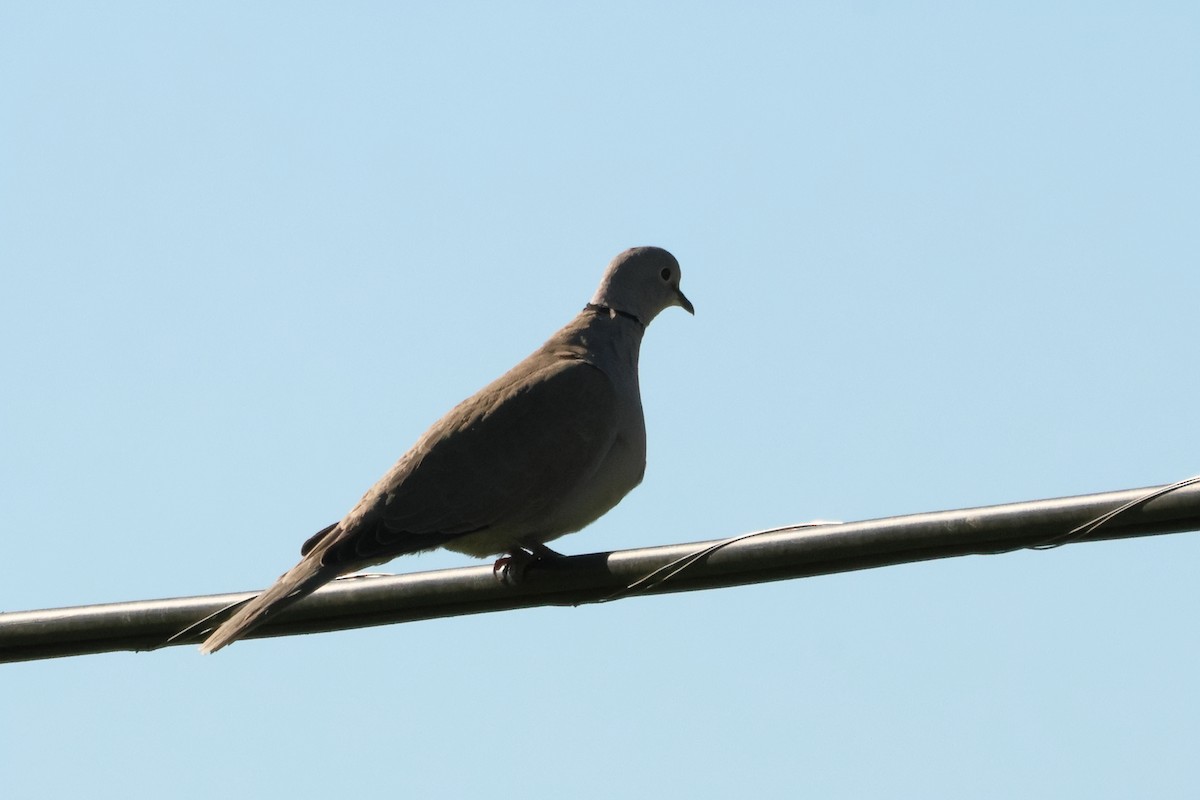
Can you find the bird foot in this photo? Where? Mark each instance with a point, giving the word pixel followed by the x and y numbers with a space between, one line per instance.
pixel 510 569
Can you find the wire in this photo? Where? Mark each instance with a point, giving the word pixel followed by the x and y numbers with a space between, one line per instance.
pixel 670 570
pixel 1088 528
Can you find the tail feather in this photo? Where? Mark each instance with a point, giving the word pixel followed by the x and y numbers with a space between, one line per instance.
pixel 298 582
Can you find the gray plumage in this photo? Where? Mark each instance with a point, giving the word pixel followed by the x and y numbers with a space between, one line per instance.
pixel 542 451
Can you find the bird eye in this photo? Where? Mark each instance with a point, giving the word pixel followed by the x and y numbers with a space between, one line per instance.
pixel 666 273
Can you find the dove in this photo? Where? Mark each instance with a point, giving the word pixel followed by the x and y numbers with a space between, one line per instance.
pixel 543 451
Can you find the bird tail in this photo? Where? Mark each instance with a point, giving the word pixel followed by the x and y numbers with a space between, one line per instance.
pixel 298 582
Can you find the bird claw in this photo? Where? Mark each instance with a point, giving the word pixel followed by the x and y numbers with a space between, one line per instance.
pixel 510 569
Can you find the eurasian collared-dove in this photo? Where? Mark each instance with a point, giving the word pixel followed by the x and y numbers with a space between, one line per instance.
pixel 542 451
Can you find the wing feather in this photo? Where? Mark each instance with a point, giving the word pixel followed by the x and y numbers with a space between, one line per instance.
pixel 497 461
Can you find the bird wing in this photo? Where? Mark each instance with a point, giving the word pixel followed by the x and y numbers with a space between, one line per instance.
pixel 506 458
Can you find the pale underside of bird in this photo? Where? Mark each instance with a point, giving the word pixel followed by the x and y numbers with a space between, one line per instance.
pixel 542 451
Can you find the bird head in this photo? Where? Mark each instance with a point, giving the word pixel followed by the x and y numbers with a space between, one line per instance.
pixel 642 281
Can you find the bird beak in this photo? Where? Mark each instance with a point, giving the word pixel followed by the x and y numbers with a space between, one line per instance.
pixel 685 304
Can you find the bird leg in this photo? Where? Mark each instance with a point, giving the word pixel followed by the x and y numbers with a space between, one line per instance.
pixel 510 569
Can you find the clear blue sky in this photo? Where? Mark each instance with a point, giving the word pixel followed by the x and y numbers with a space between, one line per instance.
pixel 940 257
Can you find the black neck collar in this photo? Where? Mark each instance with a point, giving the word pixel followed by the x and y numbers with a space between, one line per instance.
pixel 612 312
